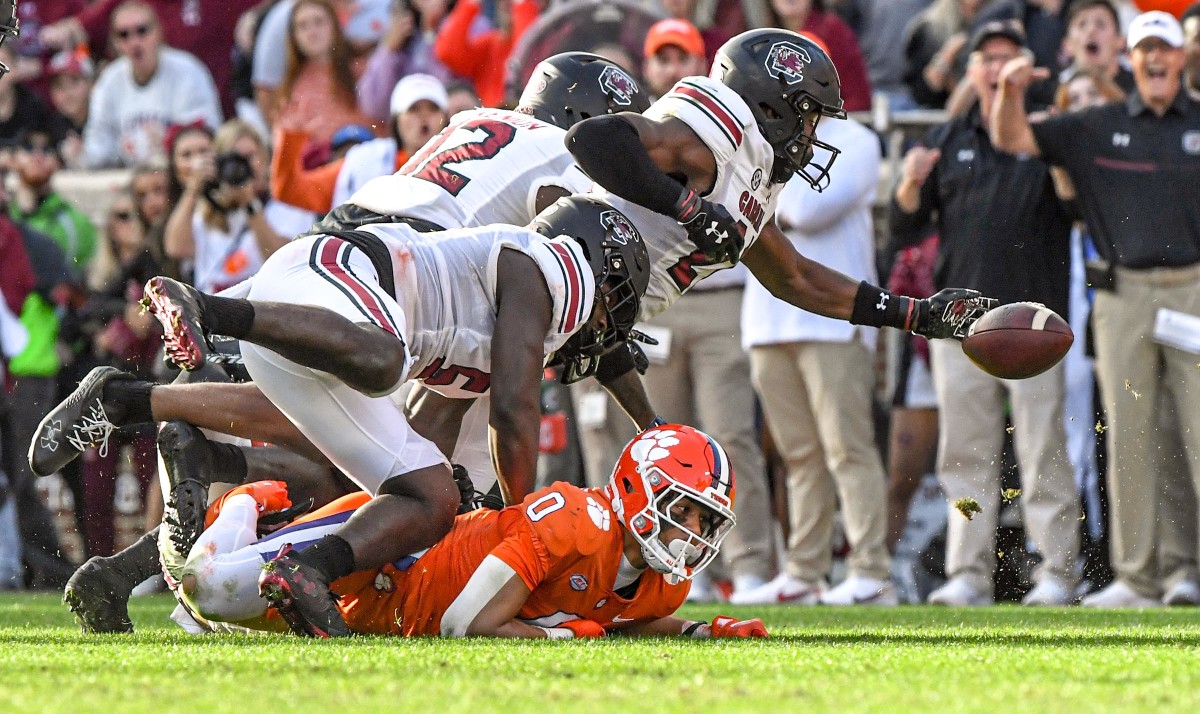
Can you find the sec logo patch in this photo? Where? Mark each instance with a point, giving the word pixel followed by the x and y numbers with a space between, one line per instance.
pixel 578 583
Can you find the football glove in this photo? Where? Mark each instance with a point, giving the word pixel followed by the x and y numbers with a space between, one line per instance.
pixel 714 231
pixel 725 626
pixel 581 629
pixel 950 313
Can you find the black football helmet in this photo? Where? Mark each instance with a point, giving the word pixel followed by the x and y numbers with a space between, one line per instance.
pixel 9 27
pixel 572 86
pixel 620 264
pixel 785 78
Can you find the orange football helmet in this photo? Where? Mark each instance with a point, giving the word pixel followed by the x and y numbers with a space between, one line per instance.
pixel 659 470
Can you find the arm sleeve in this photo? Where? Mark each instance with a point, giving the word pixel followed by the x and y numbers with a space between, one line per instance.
pixel 1055 135
pixel 384 69
pixel 311 190
pixel 597 142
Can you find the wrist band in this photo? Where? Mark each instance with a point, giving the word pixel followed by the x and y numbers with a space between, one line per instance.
pixel 690 630
pixel 876 307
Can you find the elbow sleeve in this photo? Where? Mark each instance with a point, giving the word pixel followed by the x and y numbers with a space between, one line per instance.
pixel 609 149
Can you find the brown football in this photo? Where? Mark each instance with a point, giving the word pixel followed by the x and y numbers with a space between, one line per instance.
pixel 1017 341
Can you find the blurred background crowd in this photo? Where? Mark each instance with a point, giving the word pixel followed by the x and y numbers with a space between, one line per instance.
pixel 194 137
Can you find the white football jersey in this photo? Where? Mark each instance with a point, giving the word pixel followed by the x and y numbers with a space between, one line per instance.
pixel 744 159
pixel 485 167
pixel 446 285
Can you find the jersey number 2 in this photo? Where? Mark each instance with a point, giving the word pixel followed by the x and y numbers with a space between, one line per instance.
pixel 433 160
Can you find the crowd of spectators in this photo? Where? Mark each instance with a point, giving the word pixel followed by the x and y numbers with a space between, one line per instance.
pixel 236 124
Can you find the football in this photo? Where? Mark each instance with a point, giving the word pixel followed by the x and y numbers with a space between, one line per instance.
pixel 1017 341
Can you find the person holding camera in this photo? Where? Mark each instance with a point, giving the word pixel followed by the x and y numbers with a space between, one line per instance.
pixel 224 224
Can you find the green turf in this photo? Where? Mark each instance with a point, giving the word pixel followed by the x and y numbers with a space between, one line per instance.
pixel 907 659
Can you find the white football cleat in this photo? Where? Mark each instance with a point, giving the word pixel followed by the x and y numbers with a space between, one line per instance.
pixel 1049 592
pixel 957 592
pixel 1184 592
pixel 1119 595
pixel 857 590
pixel 783 590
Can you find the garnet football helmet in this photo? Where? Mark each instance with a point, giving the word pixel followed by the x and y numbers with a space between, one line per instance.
pixel 787 80
pixel 572 86
pixel 620 265
pixel 661 471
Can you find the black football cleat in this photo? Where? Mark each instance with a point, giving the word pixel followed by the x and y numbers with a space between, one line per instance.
pixel 301 596
pixel 99 597
pixel 187 456
pixel 82 420
pixel 177 307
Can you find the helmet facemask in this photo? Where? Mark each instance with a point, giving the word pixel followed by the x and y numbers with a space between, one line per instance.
pixel 618 298
pixel 797 152
pixel 682 558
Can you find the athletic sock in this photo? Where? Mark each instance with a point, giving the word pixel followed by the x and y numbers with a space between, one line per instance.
pixel 331 556
pixel 227 316
pixel 133 396
pixel 229 463
pixel 139 561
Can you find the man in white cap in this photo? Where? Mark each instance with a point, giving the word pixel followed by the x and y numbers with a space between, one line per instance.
pixel 418 110
pixel 1135 165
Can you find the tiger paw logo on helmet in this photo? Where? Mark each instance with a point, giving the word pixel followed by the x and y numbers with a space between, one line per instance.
pixel 652 446
pixel 786 61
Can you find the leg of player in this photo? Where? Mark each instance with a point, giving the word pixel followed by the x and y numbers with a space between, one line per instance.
pixel 108 399
pixel 98 592
pixel 363 356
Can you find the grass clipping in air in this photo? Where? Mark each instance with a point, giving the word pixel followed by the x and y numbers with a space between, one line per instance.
pixel 968 507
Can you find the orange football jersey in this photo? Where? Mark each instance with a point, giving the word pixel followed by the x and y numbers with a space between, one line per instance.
pixel 564 542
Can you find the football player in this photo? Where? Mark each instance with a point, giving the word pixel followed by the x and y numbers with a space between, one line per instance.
pixel 565 563
pixel 699 174
pixel 334 323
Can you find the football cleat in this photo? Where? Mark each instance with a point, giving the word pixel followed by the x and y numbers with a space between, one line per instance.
pixel 99 597
pixel 187 457
pixel 301 596
pixel 177 308
pixel 80 421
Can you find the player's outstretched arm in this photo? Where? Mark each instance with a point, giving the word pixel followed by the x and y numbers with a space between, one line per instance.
pixel 811 286
pixel 642 160
pixel 488 607
pixel 518 353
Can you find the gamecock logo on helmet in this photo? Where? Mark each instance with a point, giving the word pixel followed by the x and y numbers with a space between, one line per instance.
pixel 619 85
pixel 786 61
pixel 619 228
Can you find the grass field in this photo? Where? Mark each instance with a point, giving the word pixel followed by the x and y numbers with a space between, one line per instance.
pixel 907 659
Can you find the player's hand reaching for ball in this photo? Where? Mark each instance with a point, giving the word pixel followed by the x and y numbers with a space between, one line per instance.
pixel 949 313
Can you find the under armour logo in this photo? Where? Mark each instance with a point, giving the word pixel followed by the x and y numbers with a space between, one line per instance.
pixel 883 298
pixel 49 438
pixel 713 230
pixel 1120 139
